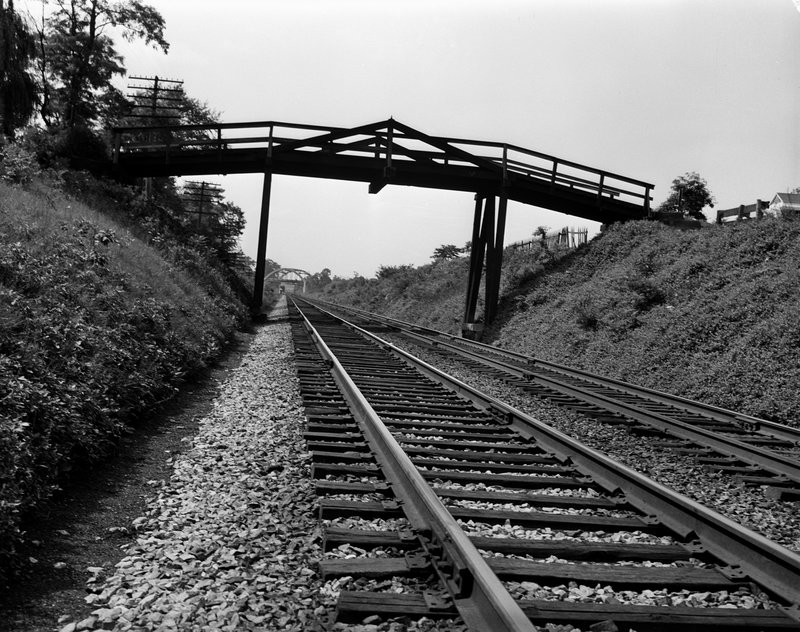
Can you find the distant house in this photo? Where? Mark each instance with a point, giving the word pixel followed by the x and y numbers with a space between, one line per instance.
pixel 785 204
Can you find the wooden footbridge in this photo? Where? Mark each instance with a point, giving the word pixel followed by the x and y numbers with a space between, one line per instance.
pixel 389 152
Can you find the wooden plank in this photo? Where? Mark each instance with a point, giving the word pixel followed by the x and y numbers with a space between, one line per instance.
pixel 587 551
pixel 324 488
pixel 370 567
pixel 471 455
pixel 548 500
pixel 330 508
pixel 347 444
pixel 353 606
pixel 508 480
pixel 478 445
pixel 321 470
pixel 340 457
pixel 561 521
pixel 564 549
pixel 493 466
pixel 620 577
pixel 333 537
pixel 658 618
pixel 345 508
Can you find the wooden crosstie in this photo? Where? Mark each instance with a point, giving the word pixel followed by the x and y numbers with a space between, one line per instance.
pixel 383 153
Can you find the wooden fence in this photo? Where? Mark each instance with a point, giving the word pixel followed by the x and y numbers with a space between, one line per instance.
pixel 565 238
pixel 743 211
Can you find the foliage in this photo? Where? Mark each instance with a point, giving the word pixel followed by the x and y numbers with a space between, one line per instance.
pixel 446 252
pixel 708 314
pixel 386 272
pixel 319 280
pixel 17 86
pixel 78 59
pixel 17 164
pixel 690 195
pixel 96 328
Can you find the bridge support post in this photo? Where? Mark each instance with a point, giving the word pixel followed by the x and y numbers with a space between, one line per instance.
pixel 494 263
pixel 488 231
pixel 261 251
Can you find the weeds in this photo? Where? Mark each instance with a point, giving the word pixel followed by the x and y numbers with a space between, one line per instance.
pixel 96 328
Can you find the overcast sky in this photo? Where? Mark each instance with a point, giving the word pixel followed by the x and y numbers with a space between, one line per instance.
pixel 646 88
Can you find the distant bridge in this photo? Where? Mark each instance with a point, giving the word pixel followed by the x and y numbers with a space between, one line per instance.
pixel 389 152
pixel 289 275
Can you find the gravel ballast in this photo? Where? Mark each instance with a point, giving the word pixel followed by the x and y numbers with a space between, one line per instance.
pixel 230 542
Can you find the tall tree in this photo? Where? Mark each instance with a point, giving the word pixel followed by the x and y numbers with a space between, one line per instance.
pixel 445 252
pixel 79 57
pixel 17 87
pixel 690 195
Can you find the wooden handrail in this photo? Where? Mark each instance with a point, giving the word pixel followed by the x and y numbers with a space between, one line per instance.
pixel 388 135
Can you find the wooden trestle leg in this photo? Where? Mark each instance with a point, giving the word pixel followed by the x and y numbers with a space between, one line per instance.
pixel 261 254
pixel 488 231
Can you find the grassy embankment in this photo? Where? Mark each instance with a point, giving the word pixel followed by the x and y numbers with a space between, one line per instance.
pixel 709 314
pixel 96 328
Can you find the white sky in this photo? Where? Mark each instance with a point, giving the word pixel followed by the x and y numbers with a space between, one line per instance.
pixel 646 88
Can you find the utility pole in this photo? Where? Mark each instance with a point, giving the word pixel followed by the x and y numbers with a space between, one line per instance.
pixel 158 100
pixel 203 197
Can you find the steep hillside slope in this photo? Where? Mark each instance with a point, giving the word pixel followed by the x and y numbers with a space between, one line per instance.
pixel 96 327
pixel 710 314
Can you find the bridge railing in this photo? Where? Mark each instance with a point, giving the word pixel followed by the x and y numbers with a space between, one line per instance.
pixel 387 143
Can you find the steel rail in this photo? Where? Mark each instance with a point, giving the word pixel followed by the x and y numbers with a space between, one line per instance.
pixel 757 424
pixel 748 553
pixel 777 464
pixel 478 594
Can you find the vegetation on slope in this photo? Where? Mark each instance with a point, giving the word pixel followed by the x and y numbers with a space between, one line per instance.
pixel 96 327
pixel 101 315
pixel 709 314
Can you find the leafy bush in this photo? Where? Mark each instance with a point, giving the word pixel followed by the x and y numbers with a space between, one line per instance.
pixel 96 328
pixel 17 164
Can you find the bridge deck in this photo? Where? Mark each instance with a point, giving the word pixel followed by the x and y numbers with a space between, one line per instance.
pixel 382 153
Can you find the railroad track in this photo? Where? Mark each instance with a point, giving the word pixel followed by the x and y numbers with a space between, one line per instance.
pixel 755 451
pixel 475 510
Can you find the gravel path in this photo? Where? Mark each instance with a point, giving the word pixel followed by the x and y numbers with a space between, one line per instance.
pixel 230 541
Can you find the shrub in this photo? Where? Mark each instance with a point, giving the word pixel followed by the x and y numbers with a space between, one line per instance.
pixel 17 164
pixel 96 328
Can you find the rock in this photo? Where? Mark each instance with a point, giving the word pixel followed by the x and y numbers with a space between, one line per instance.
pixel 87 623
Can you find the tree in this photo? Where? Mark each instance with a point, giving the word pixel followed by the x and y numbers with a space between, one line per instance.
pixel 690 195
pixel 17 87
pixel 445 252
pixel 79 60
pixel 225 228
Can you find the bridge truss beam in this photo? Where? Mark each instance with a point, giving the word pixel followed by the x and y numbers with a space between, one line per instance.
pixel 389 152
